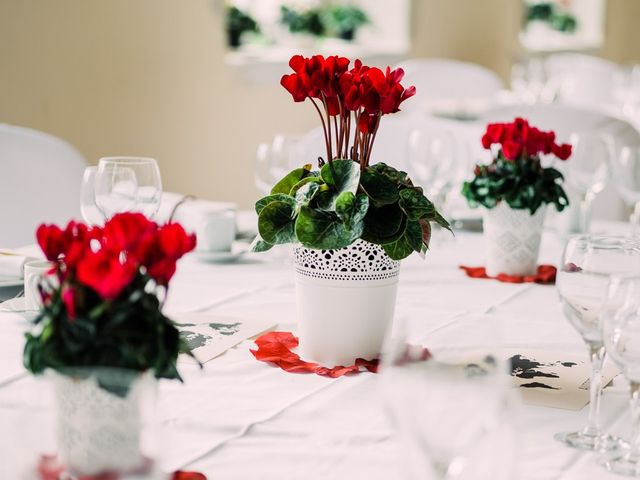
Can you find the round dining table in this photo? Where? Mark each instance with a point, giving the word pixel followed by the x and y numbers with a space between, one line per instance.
pixel 239 418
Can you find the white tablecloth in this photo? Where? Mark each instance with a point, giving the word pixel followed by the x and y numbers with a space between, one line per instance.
pixel 240 418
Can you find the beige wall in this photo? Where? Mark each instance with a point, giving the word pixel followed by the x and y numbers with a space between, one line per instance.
pixel 147 77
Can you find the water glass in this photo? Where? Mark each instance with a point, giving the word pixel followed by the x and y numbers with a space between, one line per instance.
pixel 128 184
pixel 446 396
pixel 626 176
pixel 621 329
pixel 587 171
pixel 588 262
pixel 88 208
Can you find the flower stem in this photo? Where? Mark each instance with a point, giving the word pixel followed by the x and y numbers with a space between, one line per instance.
pixel 324 128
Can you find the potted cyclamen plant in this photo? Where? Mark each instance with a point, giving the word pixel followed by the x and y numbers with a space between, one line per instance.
pixel 350 222
pixel 515 190
pixel 102 335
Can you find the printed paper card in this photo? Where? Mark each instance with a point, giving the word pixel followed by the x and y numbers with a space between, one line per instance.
pixel 554 378
pixel 210 335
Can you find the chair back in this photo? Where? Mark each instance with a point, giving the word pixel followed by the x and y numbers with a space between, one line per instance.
pixel 40 178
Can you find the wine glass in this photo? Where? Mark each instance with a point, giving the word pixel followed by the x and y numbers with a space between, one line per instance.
pixel 620 320
pixel 588 262
pixel 446 396
pixel 587 171
pixel 261 174
pixel 128 184
pixel 434 162
pixel 626 176
pixel 88 209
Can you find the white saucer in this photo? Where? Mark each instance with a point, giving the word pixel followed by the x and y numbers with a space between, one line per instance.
pixel 238 249
pixel 17 305
pixel 10 282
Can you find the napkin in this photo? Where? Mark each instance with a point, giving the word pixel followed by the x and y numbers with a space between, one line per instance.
pixel 12 264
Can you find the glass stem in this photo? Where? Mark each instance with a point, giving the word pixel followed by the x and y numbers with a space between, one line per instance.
pixel 635 219
pixel 585 211
pixel 634 447
pixel 597 353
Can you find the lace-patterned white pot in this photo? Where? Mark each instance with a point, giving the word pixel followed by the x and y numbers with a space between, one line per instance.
pixel 512 239
pixel 345 301
pixel 97 430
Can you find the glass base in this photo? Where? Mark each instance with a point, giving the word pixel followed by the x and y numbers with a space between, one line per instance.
pixel 588 442
pixel 623 465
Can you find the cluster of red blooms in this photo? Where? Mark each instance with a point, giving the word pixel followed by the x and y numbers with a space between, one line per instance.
pixel 107 259
pixel 366 92
pixel 518 138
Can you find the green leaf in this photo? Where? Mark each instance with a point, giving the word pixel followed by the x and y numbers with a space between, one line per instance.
pixel 409 242
pixel 378 187
pixel 304 181
pixel 305 194
pixel 286 184
pixel 259 245
pixel 340 176
pixel 278 197
pixel 416 205
pixel 384 224
pixel 324 230
pixel 398 177
pixel 275 223
pixel 352 208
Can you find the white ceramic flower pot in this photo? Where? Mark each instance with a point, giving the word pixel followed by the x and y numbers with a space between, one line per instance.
pixel 512 239
pixel 97 430
pixel 345 302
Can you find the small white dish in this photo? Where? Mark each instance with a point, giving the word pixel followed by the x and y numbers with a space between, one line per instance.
pixel 11 282
pixel 238 249
pixel 18 305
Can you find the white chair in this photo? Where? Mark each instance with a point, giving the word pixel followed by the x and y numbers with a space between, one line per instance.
pixel 565 120
pixel 444 84
pixel 40 178
pixel 581 79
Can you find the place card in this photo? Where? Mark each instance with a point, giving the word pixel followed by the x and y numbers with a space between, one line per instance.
pixel 211 335
pixel 554 378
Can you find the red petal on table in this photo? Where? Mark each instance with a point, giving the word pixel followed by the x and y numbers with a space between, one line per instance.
pixel 180 475
pixel 545 275
pixel 274 347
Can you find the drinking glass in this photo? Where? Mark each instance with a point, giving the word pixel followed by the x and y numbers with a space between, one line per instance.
pixel 588 262
pixel 88 208
pixel 626 176
pixel 621 328
pixel 128 184
pixel 588 169
pixel 275 160
pixel 435 163
pixel 446 396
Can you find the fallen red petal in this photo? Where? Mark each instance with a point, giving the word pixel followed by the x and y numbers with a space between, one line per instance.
pixel 545 275
pixel 274 347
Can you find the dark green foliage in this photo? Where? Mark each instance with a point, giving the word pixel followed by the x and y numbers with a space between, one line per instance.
pixel 128 333
pixel 340 204
pixel 522 183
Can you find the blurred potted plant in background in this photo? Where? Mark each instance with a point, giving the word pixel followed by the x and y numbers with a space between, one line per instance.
pixel 549 13
pixel 350 222
pixel 103 337
pixel 343 21
pixel 299 21
pixel 237 23
pixel 515 189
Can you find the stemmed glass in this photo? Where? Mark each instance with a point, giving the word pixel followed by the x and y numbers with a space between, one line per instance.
pixel 446 398
pixel 434 161
pixel 128 184
pixel 88 209
pixel 588 170
pixel 273 161
pixel 588 262
pixel 626 176
pixel 621 328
